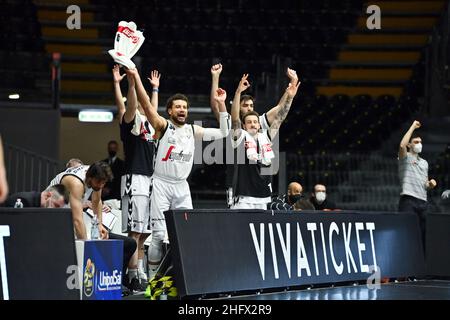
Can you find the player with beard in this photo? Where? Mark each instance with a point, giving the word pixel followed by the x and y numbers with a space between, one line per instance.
pixel 252 188
pixel 173 158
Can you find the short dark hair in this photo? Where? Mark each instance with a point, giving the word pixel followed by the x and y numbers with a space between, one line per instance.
pixel 250 113
pixel 303 204
pixel 113 142
pixel 414 135
pixel 100 170
pixel 62 190
pixel 176 96
pixel 246 97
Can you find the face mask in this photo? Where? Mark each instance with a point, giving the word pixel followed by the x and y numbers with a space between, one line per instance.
pixel 294 198
pixel 112 154
pixel 417 148
pixel 321 196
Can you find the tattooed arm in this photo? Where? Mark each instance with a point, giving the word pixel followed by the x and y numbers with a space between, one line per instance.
pixel 285 104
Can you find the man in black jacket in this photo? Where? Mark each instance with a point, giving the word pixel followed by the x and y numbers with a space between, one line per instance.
pixel 54 197
pixel 112 188
pixel 319 199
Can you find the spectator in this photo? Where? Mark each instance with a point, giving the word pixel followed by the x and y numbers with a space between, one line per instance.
pixel 319 199
pixel 413 172
pixel 287 201
pixel 303 204
pixel 55 197
pixel 112 188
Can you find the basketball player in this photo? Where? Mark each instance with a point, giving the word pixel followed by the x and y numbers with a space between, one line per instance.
pixel 81 182
pixel 174 158
pixel 253 190
pixel 246 103
pixel 137 137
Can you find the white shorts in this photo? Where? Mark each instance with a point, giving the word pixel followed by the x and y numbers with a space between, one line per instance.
pixel 244 202
pixel 136 214
pixel 135 189
pixel 135 185
pixel 167 196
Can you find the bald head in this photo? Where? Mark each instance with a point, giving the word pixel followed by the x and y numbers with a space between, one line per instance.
pixel 294 188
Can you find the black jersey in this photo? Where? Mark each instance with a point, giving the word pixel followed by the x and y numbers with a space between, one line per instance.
pixel 138 150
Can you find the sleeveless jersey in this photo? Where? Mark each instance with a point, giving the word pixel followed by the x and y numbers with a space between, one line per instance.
pixel 80 173
pixel 175 153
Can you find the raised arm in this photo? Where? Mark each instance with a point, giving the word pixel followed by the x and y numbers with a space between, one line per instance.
pixel 156 121
pixel 402 150
pixel 209 134
pixel 117 78
pixel 132 101
pixel 286 103
pixel 235 108
pixel 272 113
pixel 154 81
pixel 215 75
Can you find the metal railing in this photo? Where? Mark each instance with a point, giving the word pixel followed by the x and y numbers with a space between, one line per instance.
pixel 28 171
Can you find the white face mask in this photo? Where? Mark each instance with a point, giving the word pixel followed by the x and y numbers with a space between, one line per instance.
pixel 321 196
pixel 417 148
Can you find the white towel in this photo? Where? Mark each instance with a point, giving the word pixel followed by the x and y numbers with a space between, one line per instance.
pixel 265 154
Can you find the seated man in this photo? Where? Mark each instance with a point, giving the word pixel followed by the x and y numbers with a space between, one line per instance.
pixel 81 183
pixel 303 204
pixel 54 197
pixel 319 199
pixel 287 201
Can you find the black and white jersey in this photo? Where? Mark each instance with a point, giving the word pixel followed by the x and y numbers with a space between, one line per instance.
pixel 79 172
pixel 138 149
pixel 250 182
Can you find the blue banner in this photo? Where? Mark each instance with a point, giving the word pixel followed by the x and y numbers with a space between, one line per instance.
pixel 102 270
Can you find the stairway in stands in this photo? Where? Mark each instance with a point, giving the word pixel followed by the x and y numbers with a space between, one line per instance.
pixel 84 69
pixel 383 61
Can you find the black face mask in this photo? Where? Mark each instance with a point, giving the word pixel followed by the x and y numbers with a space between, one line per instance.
pixel 293 198
pixel 112 154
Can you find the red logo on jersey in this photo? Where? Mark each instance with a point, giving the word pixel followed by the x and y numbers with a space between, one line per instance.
pixel 168 153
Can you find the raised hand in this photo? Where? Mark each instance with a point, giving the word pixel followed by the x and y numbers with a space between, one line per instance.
pixel 154 78
pixel 243 84
pixel 116 74
pixel 292 75
pixel 216 70
pixel 416 124
pixel 291 90
pixel 220 95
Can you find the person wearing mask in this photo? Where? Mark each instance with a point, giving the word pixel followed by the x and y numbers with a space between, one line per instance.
pixel 287 201
pixel 414 180
pixel 319 199
pixel 112 188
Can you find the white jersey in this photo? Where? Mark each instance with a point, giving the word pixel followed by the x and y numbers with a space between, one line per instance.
pixel 80 173
pixel 175 153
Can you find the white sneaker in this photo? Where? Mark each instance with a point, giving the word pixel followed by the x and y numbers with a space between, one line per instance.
pixel 142 275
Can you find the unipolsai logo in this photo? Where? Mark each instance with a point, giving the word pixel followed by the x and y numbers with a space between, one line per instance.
pixel 89 276
pixel 108 282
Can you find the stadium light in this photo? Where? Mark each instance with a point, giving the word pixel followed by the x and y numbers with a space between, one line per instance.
pixel 95 116
pixel 14 96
